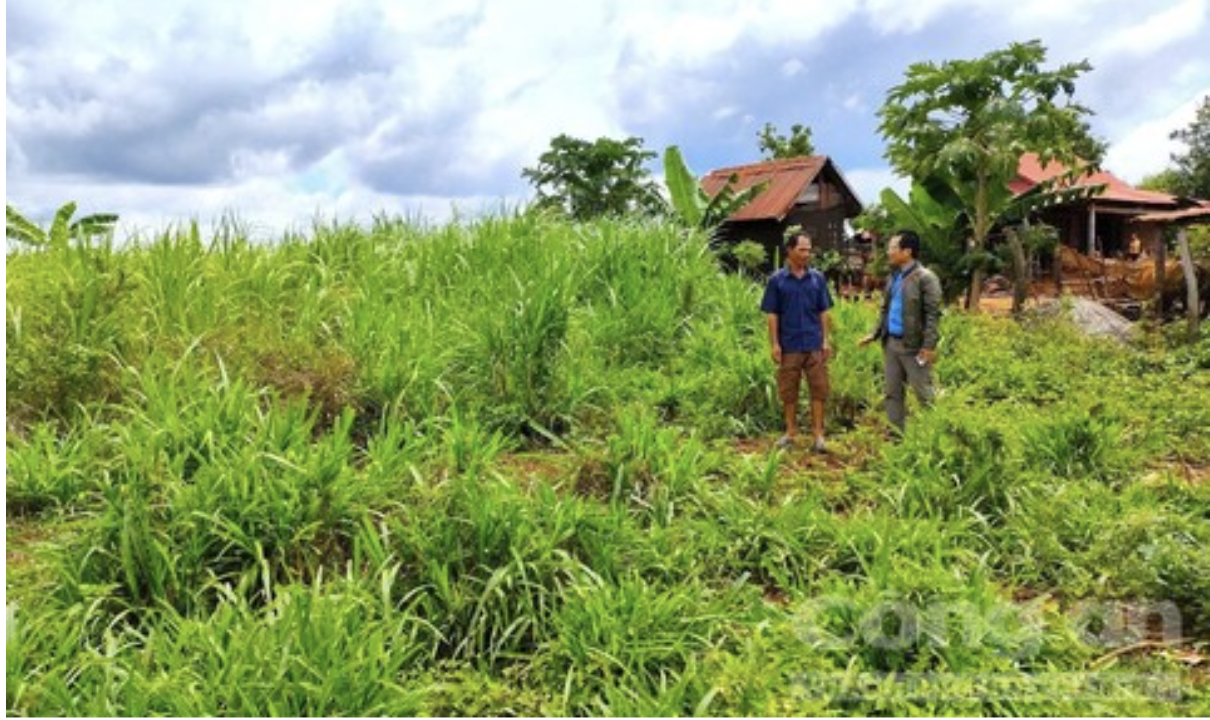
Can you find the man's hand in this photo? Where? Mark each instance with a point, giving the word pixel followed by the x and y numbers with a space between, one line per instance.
pixel 776 354
pixel 865 340
pixel 928 356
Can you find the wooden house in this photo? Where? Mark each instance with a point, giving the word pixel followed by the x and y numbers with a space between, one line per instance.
pixel 806 191
pixel 1112 244
pixel 1102 226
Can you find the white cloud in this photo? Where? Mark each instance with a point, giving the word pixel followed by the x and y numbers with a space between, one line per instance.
pixel 264 207
pixel 723 113
pixel 1056 19
pixel 895 16
pixel 280 109
pixel 1146 149
pixel 689 33
pixel 1146 36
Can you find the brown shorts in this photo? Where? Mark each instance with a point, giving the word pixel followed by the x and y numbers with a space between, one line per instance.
pixel 794 366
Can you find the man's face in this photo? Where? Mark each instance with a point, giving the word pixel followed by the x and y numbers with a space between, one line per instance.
pixel 800 254
pixel 896 256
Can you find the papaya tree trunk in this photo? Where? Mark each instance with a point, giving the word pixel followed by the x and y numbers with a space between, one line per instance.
pixel 978 242
pixel 974 294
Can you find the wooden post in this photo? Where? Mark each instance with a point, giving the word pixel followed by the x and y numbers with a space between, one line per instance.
pixel 1058 269
pixel 1161 262
pixel 1092 230
pixel 1191 299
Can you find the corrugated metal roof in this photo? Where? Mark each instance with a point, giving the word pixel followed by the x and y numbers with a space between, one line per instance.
pixel 1030 172
pixel 787 179
pixel 1193 214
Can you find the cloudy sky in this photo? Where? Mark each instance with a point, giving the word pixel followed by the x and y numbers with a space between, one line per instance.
pixel 282 111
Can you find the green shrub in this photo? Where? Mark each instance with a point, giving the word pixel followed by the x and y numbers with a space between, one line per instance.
pixel 955 460
pixel 1091 441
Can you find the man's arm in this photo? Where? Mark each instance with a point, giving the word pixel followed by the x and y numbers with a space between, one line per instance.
pixel 774 322
pixel 825 319
pixel 883 308
pixel 930 288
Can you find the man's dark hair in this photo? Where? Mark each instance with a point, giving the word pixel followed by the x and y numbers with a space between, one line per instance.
pixel 792 239
pixel 909 241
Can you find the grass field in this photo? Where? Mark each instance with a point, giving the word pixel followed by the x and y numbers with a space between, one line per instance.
pixel 517 466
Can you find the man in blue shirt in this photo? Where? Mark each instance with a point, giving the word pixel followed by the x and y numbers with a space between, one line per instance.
pixel 908 326
pixel 797 302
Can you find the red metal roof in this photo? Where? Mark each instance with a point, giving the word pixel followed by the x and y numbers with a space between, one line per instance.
pixel 1030 172
pixel 787 179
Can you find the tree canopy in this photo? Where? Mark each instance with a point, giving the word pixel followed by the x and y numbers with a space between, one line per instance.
pixel 966 123
pixel 774 146
pixel 1193 166
pixel 585 180
pixel 1166 181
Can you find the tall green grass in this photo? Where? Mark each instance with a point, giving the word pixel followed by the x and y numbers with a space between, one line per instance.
pixel 523 466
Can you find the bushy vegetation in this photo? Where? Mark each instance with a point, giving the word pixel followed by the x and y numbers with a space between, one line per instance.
pixel 520 466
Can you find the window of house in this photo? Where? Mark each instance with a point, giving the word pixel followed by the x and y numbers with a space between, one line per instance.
pixel 810 194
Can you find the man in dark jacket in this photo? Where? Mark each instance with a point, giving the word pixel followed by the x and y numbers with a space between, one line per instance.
pixel 907 326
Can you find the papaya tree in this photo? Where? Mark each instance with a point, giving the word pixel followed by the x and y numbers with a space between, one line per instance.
pixel 968 122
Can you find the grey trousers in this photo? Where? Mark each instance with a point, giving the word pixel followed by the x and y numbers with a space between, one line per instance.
pixel 899 365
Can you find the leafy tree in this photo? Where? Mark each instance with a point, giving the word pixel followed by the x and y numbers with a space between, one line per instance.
pixel 585 180
pixel 778 147
pixel 21 229
pixel 1193 166
pixel 968 122
pixel 1165 181
pixel 1190 176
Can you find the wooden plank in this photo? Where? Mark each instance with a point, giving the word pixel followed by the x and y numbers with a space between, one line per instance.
pixel 1191 300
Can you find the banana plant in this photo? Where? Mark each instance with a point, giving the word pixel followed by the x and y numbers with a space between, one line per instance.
pixel 939 215
pixel 940 221
pixel 691 204
pixel 62 230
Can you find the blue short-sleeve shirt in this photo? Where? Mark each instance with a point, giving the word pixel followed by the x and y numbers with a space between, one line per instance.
pixel 798 303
